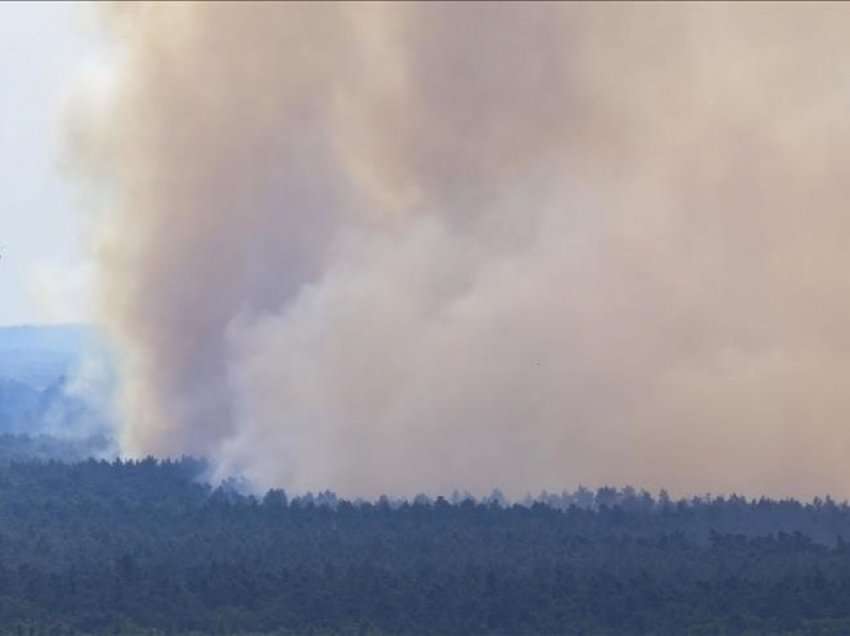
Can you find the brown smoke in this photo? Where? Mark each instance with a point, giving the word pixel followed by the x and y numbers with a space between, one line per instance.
pixel 401 247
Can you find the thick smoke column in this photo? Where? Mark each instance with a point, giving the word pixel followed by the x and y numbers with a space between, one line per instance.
pixel 392 248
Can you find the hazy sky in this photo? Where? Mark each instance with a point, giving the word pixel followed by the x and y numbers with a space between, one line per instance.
pixel 417 247
pixel 43 50
pixel 406 247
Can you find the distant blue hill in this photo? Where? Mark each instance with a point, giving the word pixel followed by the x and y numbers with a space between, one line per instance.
pixel 55 381
pixel 38 355
pixel 66 337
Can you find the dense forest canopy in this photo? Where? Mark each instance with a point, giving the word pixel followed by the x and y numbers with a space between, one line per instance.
pixel 148 547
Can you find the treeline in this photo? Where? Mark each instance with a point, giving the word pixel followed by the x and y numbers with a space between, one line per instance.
pixel 148 547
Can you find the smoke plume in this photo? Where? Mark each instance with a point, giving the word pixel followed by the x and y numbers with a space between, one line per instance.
pixel 405 247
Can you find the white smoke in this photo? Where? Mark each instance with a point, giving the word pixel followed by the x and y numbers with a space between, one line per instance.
pixel 392 248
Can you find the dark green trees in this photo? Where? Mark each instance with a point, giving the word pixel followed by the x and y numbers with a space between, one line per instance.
pixel 148 547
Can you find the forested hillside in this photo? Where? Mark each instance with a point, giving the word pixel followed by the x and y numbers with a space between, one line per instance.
pixel 148 547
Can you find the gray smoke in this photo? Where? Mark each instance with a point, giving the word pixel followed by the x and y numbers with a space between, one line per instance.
pixel 403 247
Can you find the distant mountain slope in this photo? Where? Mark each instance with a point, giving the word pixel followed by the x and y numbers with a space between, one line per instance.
pixel 64 338
pixel 39 355
pixel 55 381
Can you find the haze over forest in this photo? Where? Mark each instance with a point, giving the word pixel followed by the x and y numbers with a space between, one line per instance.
pixel 418 247
pixel 402 248
pixel 359 319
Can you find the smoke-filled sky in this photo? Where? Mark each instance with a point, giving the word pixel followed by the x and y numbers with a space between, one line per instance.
pixel 44 52
pixel 417 247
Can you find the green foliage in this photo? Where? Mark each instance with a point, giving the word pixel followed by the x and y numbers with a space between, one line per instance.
pixel 148 548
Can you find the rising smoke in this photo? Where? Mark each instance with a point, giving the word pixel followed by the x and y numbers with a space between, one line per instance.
pixel 392 248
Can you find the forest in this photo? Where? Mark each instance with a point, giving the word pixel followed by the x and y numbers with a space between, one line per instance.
pixel 148 547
